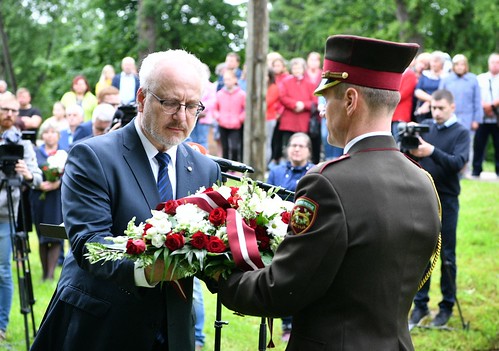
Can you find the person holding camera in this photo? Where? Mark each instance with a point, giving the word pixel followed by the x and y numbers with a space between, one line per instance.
pixel 489 87
pixel 443 152
pixel 25 169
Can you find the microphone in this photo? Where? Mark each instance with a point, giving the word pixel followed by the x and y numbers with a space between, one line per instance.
pixel 229 165
pixel 225 164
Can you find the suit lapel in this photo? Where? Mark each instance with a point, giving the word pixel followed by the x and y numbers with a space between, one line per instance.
pixel 185 172
pixel 139 165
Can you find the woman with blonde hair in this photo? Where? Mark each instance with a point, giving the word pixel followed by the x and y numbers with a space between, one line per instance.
pixel 105 79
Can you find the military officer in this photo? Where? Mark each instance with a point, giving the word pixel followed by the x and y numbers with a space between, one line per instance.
pixel 363 227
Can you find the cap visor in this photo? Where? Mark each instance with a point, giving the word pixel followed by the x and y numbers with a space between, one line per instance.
pixel 325 84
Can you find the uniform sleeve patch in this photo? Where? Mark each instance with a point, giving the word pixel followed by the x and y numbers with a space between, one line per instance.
pixel 303 215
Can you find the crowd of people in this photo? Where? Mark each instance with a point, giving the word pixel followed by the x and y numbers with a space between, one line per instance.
pixel 297 139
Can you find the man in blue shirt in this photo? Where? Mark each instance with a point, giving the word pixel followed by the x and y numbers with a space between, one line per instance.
pixel 443 153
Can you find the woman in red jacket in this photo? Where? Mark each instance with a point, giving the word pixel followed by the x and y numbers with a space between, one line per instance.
pixel 296 93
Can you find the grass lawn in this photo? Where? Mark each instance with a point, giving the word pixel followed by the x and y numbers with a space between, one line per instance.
pixel 478 286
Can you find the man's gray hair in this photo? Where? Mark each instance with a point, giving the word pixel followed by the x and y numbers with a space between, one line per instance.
pixel 103 112
pixel 152 61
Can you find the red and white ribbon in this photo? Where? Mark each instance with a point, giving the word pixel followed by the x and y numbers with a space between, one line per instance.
pixel 207 201
pixel 242 242
pixel 242 238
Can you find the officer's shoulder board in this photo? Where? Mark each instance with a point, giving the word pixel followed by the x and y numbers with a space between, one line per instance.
pixel 324 165
pixel 305 210
pixel 413 161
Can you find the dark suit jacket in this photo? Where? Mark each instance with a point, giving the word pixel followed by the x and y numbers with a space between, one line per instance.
pixel 349 279
pixel 107 181
pixel 83 131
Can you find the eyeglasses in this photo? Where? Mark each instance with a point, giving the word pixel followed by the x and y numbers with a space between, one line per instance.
pixel 171 107
pixel 6 109
pixel 299 146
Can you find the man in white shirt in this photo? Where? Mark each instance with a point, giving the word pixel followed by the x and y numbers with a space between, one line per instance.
pixel 127 81
pixel 489 88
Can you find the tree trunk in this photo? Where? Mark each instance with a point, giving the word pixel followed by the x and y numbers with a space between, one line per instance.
pixel 256 68
pixel 11 80
pixel 146 28
pixel 408 23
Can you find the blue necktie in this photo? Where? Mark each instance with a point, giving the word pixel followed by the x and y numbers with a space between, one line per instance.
pixel 164 185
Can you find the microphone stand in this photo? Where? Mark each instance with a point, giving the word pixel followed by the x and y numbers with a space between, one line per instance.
pixel 262 337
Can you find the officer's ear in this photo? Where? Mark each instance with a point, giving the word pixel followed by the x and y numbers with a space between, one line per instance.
pixel 351 100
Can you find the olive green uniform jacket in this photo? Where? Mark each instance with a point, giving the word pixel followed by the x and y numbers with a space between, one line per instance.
pixel 362 232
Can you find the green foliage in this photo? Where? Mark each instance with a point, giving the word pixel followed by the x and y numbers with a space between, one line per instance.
pixel 50 42
pixel 469 27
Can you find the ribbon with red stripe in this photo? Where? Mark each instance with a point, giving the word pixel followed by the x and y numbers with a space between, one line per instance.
pixel 242 242
pixel 207 201
pixel 242 238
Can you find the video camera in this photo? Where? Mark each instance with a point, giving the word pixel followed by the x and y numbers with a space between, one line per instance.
pixel 124 114
pixel 409 134
pixel 10 152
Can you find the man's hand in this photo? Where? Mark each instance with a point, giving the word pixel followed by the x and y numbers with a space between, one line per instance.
pixel 424 149
pixel 22 169
pixel 156 273
pixel 299 106
pixel 49 186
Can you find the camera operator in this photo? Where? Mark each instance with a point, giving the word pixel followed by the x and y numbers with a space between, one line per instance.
pixel 443 152
pixel 26 168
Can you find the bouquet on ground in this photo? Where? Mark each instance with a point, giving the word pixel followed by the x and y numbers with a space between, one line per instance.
pixel 54 168
pixel 207 233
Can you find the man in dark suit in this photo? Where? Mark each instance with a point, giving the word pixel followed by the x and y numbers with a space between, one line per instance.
pixel 107 181
pixel 363 227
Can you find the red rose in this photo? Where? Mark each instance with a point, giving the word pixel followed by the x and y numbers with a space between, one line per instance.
pixel 171 207
pixel 233 190
pixel 251 223
pixel 262 238
pixel 174 241
pixel 146 227
pixel 232 200
pixel 135 247
pixel 217 216
pixel 215 245
pixel 199 240
pixel 285 217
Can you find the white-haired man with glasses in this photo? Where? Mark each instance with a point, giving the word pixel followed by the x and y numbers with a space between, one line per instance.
pixel 107 181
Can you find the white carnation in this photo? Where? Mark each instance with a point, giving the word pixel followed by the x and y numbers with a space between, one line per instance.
pixel 189 213
pixel 158 240
pixel 225 191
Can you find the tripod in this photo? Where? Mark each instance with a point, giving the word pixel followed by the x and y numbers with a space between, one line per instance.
pixel 20 251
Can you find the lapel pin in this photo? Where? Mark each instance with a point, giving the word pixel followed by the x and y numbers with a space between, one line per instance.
pixel 189 168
